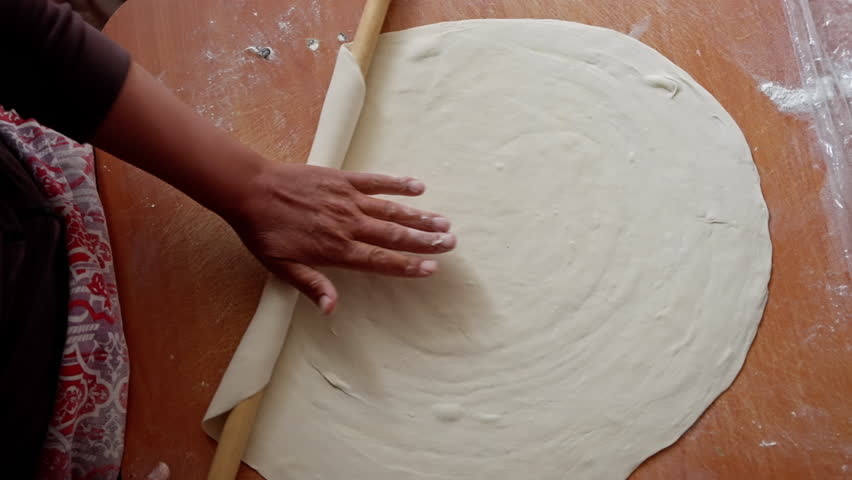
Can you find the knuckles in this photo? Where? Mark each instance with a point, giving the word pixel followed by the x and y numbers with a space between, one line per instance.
pixel 377 257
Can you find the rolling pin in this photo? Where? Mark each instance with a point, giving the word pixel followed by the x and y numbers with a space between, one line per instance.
pixel 238 426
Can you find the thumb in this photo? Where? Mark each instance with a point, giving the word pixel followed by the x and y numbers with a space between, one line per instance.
pixel 312 283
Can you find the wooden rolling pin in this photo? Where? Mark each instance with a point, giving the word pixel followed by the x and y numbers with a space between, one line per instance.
pixel 237 430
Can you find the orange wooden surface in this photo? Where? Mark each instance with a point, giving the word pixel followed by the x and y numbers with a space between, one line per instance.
pixel 188 288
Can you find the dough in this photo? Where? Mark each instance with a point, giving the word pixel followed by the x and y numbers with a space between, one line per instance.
pixel 611 272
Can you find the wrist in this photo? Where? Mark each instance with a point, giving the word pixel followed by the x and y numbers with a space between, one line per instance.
pixel 186 151
pixel 232 181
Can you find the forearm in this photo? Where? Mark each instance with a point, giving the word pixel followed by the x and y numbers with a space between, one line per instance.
pixel 74 79
pixel 152 129
pixel 292 217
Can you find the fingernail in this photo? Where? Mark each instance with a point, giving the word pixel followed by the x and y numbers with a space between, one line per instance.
pixel 445 240
pixel 441 223
pixel 428 267
pixel 325 304
pixel 416 186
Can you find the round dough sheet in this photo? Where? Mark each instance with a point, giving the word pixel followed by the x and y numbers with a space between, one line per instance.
pixel 611 272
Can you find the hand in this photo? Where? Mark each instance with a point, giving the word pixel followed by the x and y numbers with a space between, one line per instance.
pixel 294 218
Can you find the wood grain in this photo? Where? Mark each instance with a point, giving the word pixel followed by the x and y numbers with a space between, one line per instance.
pixel 188 288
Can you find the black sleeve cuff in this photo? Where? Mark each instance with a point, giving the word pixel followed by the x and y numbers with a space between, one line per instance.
pixel 63 72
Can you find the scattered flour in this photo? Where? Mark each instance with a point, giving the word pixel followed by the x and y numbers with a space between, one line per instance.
pixel 315 9
pixel 789 100
pixel 284 23
pixel 764 443
pixel 639 28
pixel 801 100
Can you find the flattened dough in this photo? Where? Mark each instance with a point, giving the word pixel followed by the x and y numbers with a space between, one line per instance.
pixel 611 273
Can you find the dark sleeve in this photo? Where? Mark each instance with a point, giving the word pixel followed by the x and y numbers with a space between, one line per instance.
pixel 56 68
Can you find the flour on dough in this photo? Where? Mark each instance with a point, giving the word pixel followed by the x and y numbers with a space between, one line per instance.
pixel 610 276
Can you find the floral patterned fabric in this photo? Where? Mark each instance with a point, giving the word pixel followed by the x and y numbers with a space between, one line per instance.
pixel 85 438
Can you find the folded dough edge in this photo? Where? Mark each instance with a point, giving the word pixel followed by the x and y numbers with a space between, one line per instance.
pixel 252 365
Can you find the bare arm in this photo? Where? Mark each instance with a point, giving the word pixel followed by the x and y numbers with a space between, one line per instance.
pixel 292 217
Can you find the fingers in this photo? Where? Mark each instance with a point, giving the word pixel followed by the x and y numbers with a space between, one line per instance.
pixel 370 258
pixel 312 284
pixel 396 237
pixel 375 184
pixel 410 217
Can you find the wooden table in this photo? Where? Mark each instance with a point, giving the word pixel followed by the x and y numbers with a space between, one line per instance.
pixel 188 288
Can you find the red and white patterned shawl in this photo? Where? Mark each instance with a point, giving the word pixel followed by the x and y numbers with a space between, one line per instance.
pixel 85 438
